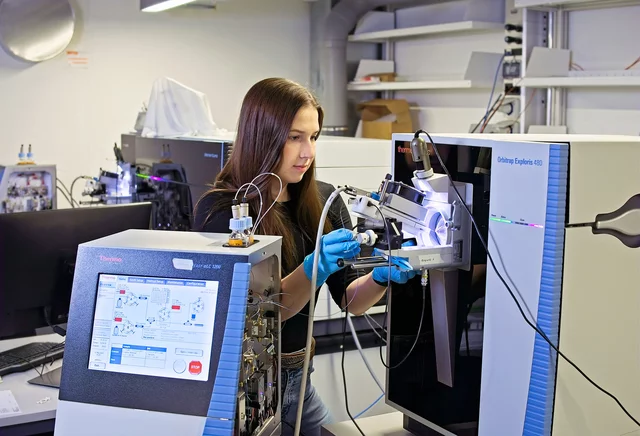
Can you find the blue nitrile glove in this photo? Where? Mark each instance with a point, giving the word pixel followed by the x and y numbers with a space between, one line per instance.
pixel 381 275
pixel 399 270
pixel 339 244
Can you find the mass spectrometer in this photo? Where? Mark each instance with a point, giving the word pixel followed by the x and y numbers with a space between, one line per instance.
pixel 201 158
pixel 564 244
pixel 182 337
pixel 163 183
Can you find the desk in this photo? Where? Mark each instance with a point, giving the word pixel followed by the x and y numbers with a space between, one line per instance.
pixel 34 418
pixel 389 424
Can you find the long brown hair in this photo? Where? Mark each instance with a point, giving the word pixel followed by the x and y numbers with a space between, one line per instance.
pixel 266 116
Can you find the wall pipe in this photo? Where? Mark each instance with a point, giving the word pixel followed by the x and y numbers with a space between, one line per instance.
pixel 332 84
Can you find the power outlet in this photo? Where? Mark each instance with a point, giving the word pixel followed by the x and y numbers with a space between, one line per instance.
pixel 506 126
pixel 510 107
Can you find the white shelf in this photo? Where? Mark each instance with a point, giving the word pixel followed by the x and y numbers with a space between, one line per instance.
pixel 545 4
pixel 416 86
pixel 435 29
pixel 581 82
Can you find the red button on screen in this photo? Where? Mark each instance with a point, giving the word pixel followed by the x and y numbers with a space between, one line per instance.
pixel 195 367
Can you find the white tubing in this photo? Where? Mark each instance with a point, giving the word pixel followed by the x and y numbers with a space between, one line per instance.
pixel 312 302
pixel 364 358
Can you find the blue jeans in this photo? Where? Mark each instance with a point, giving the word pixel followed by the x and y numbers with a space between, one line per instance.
pixel 314 413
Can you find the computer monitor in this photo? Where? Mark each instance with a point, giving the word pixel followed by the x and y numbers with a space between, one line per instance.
pixel 37 260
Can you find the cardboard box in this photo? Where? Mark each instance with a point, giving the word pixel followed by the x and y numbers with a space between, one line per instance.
pixel 380 118
pixel 385 77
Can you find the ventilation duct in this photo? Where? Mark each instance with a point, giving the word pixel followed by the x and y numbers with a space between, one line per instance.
pixel 333 66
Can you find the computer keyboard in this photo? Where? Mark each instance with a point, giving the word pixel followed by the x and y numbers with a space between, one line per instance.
pixel 29 356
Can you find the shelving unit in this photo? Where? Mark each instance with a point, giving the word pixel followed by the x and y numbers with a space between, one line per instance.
pixel 569 4
pixel 574 98
pixel 425 31
pixel 426 77
pixel 478 74
pixel 581 82
pixel 421 85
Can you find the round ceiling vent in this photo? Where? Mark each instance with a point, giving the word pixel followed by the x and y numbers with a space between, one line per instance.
pixel 35 30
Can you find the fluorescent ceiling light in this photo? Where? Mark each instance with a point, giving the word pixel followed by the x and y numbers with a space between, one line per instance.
pixel 161 5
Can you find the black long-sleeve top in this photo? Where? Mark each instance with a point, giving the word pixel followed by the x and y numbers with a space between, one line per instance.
pixel 294 331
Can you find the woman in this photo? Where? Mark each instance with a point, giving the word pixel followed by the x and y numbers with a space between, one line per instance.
pixel 279 124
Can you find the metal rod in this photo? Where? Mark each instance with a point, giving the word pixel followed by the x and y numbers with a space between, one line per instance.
pixel 364 262
pixel 551 24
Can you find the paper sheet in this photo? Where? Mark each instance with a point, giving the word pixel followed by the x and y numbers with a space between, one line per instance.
pixel 8 404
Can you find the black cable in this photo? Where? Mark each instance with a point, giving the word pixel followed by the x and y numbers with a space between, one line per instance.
pixel 493 265
pixel 386 305
pixel 424 302
pixel 493 106
pixel 65 189
pixel 56 329
pixel 484 117
pixel 62 184
pixel 65 196
pixel 344 374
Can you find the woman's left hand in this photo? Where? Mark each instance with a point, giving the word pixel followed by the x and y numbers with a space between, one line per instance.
pixel 381 275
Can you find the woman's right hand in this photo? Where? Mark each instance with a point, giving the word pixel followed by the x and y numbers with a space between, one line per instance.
pixel 338 244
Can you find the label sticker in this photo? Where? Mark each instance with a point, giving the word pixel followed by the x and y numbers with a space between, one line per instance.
pixel 8 404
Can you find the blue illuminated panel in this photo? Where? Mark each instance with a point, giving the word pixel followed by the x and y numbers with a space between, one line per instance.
pixel 539 414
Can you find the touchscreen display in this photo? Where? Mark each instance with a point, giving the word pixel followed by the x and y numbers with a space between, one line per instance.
pixel 153 326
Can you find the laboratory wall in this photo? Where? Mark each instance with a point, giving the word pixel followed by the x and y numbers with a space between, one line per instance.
pixel 442 57
pixel 73 114
pixel 606 40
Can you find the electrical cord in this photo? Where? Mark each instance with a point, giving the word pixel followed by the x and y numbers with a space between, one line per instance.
pixel 361 351
pixel 633 64
pixel 259 218
pixel 344 375
pixel 372 319
pixel 526 106
pixel 493 265
pixel 495 107
pixel 347 320
pixel 493 88
pixel 424 302
pixel 248 185
pixel 367 319
pixel 366 409
pixel 498 100
pixel 576 66
pixel 312 302
pixel 64 194
pixel 73 183
pixel 495 111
